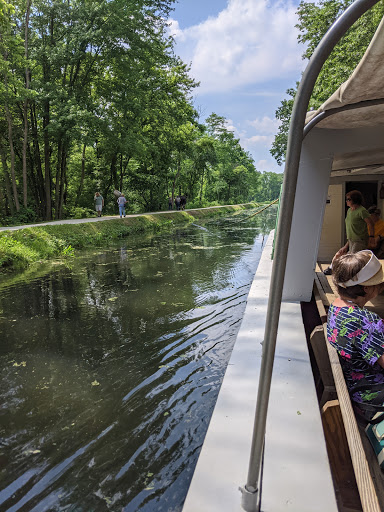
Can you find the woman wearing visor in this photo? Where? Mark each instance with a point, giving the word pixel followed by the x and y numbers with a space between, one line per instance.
pixel 356 333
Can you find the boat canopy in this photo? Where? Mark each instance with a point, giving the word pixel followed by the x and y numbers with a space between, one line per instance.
pixel 365 83
pixel 357 103
pixel 344 137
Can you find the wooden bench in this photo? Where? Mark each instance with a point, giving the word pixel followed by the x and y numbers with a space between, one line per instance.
pixel 342 432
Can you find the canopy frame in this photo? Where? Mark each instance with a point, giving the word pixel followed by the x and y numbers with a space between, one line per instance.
pixel 250 491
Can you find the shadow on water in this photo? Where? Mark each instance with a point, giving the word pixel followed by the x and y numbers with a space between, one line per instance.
pixel 110 368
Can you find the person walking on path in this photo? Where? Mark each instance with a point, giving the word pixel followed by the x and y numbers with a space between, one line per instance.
pixel 170 203
pixel 99 203
pixel 121 202
pixel 177 202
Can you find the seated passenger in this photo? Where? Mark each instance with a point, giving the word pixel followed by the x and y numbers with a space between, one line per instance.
pixel 376 239
pixel 356 333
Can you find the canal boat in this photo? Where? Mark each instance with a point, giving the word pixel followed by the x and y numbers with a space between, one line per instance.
pixel 283 435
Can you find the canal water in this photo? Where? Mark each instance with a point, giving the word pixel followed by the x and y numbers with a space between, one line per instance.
pixel 111 365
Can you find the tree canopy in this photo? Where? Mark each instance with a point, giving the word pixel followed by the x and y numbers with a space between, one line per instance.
pixel 93 97
pixel 314 21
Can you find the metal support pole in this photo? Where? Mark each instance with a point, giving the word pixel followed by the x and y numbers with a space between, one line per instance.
pixel 295 137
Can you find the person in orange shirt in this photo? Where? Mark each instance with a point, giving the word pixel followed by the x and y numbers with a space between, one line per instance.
pixel 376 239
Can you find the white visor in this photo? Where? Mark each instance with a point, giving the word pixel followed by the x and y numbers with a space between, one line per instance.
pixel 366 273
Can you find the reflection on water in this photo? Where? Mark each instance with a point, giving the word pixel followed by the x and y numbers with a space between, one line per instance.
pixel 110 369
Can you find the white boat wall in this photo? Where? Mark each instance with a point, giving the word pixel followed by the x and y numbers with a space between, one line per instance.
pixel 344 150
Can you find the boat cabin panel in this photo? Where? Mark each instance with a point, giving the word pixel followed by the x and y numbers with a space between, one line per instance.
pixel 332 232
pixel 319 149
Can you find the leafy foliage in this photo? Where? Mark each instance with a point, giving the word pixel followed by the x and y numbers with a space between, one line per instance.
pixel 314 21
pixel 92 97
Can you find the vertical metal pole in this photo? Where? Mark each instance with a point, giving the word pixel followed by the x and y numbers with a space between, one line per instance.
pixel 295 136
pixel 277 220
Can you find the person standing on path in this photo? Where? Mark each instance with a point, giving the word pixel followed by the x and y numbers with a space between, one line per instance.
pixel 99 203
pixel 121 202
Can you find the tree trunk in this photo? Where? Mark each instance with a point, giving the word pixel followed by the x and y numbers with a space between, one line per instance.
pixel 175 178
pixel 114 171
pixel 12 153
pixel 47 166
pixel 63 180
pixel 201 187
pixel 2 202
pixel 46 121
pixel 25 112
pixel 36 159
pixel 7 180
pixel 10 136
pixel 58 178
pixel 82 177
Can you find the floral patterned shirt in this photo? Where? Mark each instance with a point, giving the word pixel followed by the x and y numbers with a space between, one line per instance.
pixel 358 336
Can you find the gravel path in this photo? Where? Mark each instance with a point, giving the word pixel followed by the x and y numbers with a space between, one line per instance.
pixel 98 219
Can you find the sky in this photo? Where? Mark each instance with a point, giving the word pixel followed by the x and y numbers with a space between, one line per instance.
pixel 245 55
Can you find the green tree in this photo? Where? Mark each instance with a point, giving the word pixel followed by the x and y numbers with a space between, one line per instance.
pixel 73 49
pixel 269 186
pixel 314 21
pixel 235 167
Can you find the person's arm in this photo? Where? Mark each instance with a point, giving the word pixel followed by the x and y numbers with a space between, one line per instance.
pixel 381 361
pixel 371 226
pixel 342 251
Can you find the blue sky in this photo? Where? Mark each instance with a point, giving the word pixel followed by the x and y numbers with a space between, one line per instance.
pixel 245 55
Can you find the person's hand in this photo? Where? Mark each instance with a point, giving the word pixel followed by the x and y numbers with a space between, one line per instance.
pixel 341 252
pixel 373 242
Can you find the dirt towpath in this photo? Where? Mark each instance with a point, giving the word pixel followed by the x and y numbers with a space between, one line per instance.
pixel 102 219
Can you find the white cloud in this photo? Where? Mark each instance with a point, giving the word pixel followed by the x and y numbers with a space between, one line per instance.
pixel 265 125
pixel 263 140
pixel 249 42
pixel 268 166
pixel 262 165
pixel 265 129
pixel 230 125
pixel 176 31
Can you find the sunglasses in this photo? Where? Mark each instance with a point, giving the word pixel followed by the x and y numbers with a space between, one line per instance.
pixel 348 199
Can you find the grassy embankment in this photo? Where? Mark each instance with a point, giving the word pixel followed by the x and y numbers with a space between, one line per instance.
pixel 21 248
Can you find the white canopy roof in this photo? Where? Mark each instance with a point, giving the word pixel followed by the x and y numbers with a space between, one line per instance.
pixel 365 83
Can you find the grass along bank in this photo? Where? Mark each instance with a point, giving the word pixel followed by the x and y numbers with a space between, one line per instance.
pixel 25 246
